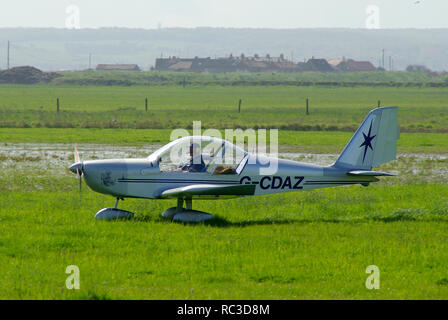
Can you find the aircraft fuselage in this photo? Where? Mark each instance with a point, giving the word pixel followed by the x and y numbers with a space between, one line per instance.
pixel 140 178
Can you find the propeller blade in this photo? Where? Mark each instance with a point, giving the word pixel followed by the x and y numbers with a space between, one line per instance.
pixel 79 174
pixel 77 157
pixel 79 167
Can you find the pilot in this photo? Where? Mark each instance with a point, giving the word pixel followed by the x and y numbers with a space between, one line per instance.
pixel 196 163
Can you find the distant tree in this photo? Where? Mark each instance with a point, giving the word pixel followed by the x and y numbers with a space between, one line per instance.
pixel 418 68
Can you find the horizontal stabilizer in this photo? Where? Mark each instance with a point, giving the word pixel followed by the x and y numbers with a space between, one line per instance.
pixel 209 191
pixel 369 173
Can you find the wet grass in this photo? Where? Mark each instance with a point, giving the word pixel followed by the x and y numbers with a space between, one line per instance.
pixel 294 141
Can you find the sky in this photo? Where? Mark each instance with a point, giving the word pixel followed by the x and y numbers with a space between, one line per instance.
pixel 152 14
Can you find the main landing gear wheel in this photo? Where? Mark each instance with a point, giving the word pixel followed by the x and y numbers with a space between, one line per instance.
pixel 186 214
pixel 113 213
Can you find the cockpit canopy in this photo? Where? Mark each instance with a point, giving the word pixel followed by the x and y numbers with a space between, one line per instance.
pixel 200 154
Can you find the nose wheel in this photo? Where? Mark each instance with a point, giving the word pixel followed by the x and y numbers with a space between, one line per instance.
pixel 187 214
pixel 113 213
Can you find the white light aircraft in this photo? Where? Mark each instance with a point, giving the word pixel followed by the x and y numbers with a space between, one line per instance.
pixel 201 167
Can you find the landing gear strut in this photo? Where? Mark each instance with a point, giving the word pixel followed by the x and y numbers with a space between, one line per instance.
pixel 186 214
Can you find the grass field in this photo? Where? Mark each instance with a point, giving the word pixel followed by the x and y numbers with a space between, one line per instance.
pixel 282 107
pixel 304 245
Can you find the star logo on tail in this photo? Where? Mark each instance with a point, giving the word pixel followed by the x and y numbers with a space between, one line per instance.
pixel 367 141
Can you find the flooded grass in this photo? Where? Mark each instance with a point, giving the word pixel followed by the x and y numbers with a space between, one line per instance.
pixel 21 158
pixel 289 141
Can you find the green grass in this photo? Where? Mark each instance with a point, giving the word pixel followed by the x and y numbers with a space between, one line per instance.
pixel 282 107
pixel 306 245
pixel 300 141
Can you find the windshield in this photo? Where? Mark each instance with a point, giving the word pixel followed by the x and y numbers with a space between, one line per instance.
pixel 199 154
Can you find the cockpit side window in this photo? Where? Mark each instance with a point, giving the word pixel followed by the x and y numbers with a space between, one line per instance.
pixel 199 154
pixel 227 161
pixel 189 155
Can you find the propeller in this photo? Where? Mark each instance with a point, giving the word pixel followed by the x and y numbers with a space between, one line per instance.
pixel 77 157
pixel 77 167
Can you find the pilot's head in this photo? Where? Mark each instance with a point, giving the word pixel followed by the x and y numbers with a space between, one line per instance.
pixel 195 150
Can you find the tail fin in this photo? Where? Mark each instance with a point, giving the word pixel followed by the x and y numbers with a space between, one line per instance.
pixel 374 143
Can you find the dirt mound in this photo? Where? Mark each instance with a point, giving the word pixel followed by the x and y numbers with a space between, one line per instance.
pixel 26 75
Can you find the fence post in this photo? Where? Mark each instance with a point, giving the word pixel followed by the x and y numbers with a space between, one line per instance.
pixel 146 104
pixel 57 104
pixel 307 106
pixel 379 103
pixel 239 106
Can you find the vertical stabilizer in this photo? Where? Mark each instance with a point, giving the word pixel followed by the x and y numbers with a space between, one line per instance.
pixel 374 143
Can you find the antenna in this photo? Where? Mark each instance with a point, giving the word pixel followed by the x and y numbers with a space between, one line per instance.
pixel 7 56
pixel 383 60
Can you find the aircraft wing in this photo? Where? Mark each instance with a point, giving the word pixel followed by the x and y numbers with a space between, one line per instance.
pixel 210 191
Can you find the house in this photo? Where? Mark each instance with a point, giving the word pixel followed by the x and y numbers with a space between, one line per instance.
pixel 252 65
pixel 334 62
pixel 219 65
pixel 258 63
pixel 228 64
pixel 351 65
pixel 318 65
pixel 163 64
pixel 181 66
pixel 285 66
pixel 195 64
pixel 118 67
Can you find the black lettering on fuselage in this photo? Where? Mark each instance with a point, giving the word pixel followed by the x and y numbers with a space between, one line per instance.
pixel 262 185
pixel 275 182
pixel 245 178
pixel 287 183
pixel 298 180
